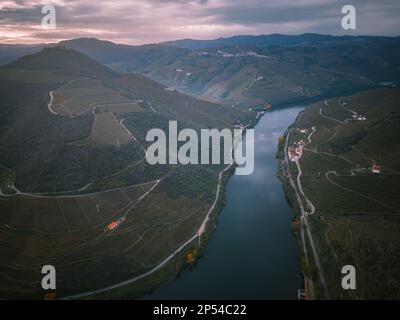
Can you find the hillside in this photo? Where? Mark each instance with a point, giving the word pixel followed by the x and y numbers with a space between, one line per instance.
pixel 251 71
pixel 305 39
pixel 255 75
pixel 35 143
pixel 72 162
pixel 120 57
pixel 59 68
pixel 63 59
pixel 126 58
pixel 350 176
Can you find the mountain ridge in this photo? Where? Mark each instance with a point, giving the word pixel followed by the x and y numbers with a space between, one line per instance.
pixel 63 58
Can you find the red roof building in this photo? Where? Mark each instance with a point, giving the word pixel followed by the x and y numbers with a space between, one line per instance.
pixel 112 225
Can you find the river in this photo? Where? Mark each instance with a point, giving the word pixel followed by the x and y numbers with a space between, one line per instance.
pixel 252 253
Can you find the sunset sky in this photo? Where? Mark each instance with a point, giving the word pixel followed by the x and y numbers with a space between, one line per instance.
pixel 150 21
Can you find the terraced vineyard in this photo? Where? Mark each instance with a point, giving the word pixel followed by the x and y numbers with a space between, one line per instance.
pixel 75 189
pixel 351 174
pixel 68 213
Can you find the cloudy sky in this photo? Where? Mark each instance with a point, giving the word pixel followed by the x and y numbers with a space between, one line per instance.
pixel 150 21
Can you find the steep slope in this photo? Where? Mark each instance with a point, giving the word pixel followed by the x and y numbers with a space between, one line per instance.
pixel 76 189
pixel 350 173
pixel 254 75
pixel 78 84
pixel 35 142
pixel 126 58
pixel 63 59
pixel 254 70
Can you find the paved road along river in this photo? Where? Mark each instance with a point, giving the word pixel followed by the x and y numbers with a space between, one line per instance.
pixel 252 254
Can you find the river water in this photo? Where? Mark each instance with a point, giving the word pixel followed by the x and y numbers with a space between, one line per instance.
pixel 252 253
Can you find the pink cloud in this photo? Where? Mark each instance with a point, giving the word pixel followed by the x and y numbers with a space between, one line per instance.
pixel 149 21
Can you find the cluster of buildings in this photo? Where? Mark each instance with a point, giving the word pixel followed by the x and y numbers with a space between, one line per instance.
pixel 359 117
pixel 226 54
pixel 295 152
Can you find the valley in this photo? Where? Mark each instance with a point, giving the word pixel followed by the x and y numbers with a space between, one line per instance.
pixel 253 71
pixel 248 71
pixel 77 192
pixel 72 170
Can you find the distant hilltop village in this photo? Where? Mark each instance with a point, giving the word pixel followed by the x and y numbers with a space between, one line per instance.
pixel 227 54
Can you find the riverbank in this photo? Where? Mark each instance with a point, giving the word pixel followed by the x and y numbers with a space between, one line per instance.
pixel 284 172
pixel 247 250
pixel 252 254
pixel 352 216
pixel 179 261
pixel 314 283
pixel 176 265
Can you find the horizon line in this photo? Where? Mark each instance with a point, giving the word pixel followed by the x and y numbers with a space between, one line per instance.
pixel 210 39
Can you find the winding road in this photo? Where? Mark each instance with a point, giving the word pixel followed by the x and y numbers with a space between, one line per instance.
pixel 304 222
pixel 195 236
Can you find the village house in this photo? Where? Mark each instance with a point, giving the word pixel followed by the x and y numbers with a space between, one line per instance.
pixel 376 169
pixel 302 130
